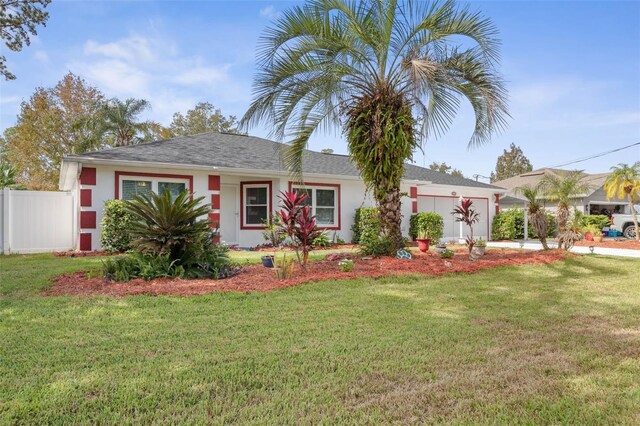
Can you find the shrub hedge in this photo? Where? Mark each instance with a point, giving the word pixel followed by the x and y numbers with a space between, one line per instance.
pixel 429 221
pixel 366 225
pixel 598 220
pixel 116 227
pixel 509 225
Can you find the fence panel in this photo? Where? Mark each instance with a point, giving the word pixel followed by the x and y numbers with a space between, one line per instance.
pixel 37 221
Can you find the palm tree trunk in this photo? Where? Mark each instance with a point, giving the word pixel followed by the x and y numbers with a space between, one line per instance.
pixel 563 217
pixel 634 216
pixel 389 205
pixel 539 222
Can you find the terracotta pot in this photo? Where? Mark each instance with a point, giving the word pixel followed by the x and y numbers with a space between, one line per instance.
pixel 423 244
pixel 598 239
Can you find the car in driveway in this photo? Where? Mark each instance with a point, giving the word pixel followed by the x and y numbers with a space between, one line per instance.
pixel 624 223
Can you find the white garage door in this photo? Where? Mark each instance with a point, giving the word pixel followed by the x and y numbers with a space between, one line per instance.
pixel 444 206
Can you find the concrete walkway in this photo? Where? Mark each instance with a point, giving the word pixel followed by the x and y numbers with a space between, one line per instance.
pixel 535 245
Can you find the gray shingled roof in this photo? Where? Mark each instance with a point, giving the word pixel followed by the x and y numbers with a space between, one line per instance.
pixel 250 152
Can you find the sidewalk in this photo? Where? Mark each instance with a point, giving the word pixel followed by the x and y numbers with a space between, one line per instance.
pixel 535 245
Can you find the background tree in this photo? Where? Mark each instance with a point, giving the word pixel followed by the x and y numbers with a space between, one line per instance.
pixel 18 21
pixel 511 163
pixel 537 216
pixel 54 122
pixel 204 117
pixel 119 121
pixel 562 189
pixel 391 73
pixel 444 168
pixel 624 182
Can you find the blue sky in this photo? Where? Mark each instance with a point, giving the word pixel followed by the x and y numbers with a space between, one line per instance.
pixel 573 71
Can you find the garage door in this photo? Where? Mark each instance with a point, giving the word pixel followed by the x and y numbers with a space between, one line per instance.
pixel 445 205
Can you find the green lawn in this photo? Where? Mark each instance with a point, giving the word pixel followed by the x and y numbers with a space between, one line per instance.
pixel 546 344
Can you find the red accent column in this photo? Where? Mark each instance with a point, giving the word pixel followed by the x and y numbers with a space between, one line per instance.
pixel 85 241
pixel 85 198
pixel 413 193
pixel 88 176
pixel 214 183
pixel 214 216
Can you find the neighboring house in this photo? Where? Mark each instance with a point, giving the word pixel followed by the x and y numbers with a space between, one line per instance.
pixel 241 177
pixel 593 202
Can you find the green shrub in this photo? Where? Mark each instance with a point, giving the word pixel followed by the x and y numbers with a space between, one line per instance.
pixel 431 223
pixel 380 246
pixel 366 225
pixel 171 241
pixel 321 240
pixel 598 220
pixel 116 227
pixel 509 225
pixel 447 254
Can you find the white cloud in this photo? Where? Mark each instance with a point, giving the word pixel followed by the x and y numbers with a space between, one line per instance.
pixel 269 12
pixel 152 68
pixel 41 56
pixel 203 75
pixel 9 99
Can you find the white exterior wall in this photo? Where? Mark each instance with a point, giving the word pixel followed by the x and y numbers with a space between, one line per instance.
pixel 483 199
pixel 352 196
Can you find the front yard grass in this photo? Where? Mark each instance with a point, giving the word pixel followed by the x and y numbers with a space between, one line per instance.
pixel 549 344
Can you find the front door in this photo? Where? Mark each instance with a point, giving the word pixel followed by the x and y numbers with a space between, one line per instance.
pixel 229 214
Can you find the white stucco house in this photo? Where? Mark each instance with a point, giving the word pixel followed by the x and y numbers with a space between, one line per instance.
pixel 241 177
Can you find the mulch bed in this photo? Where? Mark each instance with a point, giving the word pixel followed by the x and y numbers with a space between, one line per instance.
pixel 618 244
pixel 259 278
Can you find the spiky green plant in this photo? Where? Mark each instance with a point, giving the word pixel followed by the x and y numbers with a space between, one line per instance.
pixel 536 212
pixel 162 226
pixel 624 182
pixel 390 73
pixel 562 188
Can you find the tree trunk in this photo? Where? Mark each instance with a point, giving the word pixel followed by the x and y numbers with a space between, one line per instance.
pixel 539 222
pixel 389 205
pixel 634 216
pixel 563 217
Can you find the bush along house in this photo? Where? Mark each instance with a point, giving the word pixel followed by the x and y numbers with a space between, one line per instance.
pixel 241 177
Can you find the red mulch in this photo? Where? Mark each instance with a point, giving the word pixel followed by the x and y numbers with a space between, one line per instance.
pixel 259 278
pixel 75 253
pixel 330 247
pixel 619 244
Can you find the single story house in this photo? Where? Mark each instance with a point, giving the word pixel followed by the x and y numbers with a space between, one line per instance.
pixel 593 201
pixel 241 177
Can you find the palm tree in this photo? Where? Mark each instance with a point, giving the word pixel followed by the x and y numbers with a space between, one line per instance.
pixel 536 211
pixel 389 73
pixel 624 182
pixel 561 188
pixel 119 120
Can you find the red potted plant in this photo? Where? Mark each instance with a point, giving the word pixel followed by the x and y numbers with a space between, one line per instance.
pixel 423 240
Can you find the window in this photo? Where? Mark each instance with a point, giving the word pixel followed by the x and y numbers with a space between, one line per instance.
pixel 131 186
pixel 257 203
pixel 324 203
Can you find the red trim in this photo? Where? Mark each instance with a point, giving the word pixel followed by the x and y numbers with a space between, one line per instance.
pixel 215 220
pixel 156 175
pixel 473 198
pixel 497 198
pixel 88 220
pixel 332 185
pixel 215 201
pixel 85 198
pixel 497 209
pixel 413 192
pixel 214 183
pixel 414 207
pixel 259 182
pixel 88 176
pixel 85 241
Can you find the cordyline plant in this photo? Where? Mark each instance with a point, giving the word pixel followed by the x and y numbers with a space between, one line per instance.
pixel 298 223
pixel 389 73
pixel 466 213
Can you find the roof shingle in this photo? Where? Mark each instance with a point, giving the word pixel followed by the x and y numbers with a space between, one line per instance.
pixel 250 152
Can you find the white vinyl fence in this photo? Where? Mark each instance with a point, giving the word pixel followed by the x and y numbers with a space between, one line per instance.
pixel 37 221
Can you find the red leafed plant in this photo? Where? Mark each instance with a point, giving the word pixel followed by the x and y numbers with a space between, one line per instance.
pixel 466 213
pixel 298 223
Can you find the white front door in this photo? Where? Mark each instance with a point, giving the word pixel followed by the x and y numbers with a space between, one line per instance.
pixel 229 214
